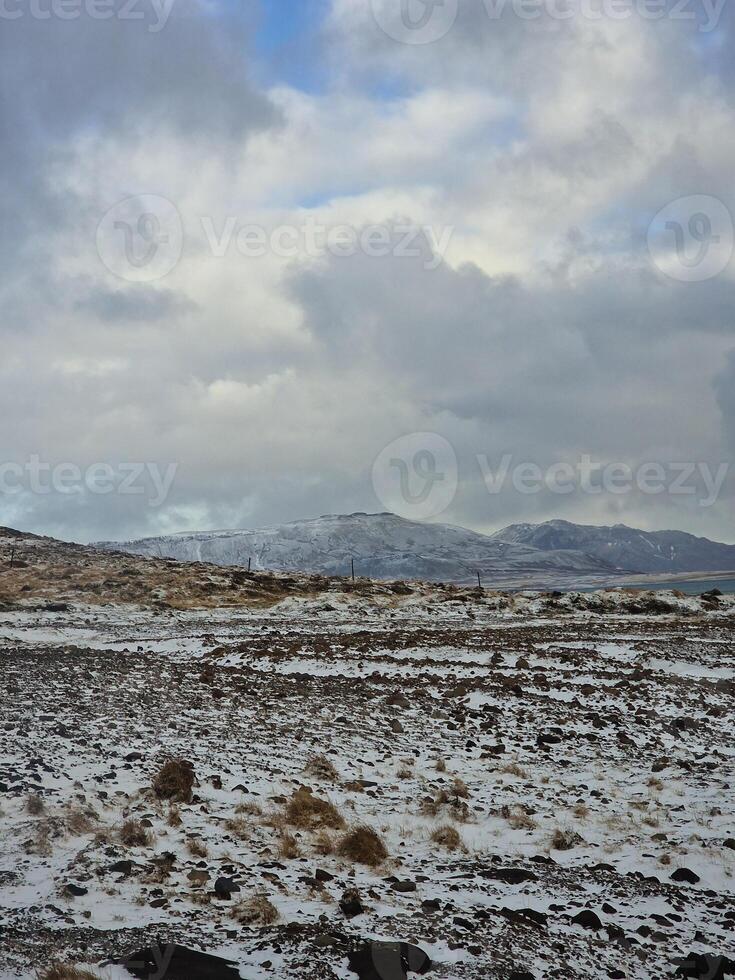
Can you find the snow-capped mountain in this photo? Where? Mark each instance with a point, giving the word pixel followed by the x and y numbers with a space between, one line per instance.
pixel 383 546
pixel 626 547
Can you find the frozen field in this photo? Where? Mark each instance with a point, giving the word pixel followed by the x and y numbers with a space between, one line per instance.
pixel 553 785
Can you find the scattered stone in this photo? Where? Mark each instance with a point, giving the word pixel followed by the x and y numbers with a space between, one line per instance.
pixel 225 887
pixel 588 920
pixel 178 963
pixel 388 961
pixel 685 875
pixel 403 886
pixel 351 903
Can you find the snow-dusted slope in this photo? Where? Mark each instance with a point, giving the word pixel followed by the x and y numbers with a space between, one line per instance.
pixel 383 546
pixel 626 547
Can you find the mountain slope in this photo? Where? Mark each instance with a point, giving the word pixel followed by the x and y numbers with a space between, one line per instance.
pixel 625 547
pixel 383 546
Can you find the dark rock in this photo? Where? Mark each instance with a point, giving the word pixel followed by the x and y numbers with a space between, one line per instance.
pixel 388 961
pixel 525 917
pixel 351 903
pixel 521 975
pixel 323 875
pixel 178 963
pixel 588 920
pixel 403 886
pixel 685 875
pixel 705 967
pixel 121 868
pixel 431 904
pixel 509 876
pixel 74 891
pixel 224 887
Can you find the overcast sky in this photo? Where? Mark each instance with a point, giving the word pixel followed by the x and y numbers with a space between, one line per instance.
pixel 168 297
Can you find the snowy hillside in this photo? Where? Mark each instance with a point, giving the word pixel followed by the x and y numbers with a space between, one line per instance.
pixel 383 546
pixel 626 547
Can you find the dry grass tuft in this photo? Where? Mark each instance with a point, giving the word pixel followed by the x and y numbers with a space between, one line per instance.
pixel 62 971
pixel 288 846
pixel 309 812
pixel 446 836
pixel 321 767
pixel 363 845
pixel 197 848
pixel 453 799
pixel 174 781
pixel 174 817
pixel 324 843
pixel 35 805
pixel 79 821
pixel 257 911
pixel 519 819
pixel 565 840
pixel 238 827
pixel 134 834
pixel 440 765
pixel 514 769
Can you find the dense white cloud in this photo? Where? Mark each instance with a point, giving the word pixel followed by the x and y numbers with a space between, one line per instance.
pixel 541 150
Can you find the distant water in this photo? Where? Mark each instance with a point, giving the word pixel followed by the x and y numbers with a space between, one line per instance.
pixel 692 587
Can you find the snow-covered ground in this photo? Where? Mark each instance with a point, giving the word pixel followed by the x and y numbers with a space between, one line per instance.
pixel 580 746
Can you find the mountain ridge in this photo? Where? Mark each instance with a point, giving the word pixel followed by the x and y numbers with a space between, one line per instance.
pixel 384 546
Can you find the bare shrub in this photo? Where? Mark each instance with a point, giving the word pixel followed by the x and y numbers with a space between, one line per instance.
pixel 62 971
pixel 324 843
pixel 363 845
pixel 79 821
pixel 238 827
pixel 321 767
pixel 174 781
pixel 440 765
pixel 35 805
pixel 446 836
pixel 446 800
pixel 309 812
pixel 197 848
pixel 134 834
pixel 519 819
pixel 257 911
pixel 514 769
pixel 288 847
pixel 565 840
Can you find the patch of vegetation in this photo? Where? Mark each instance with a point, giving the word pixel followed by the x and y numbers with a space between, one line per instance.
pixel 174 781
pixel 309 812
pixel 363 845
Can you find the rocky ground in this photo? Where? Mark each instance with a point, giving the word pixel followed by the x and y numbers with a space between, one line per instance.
pixel 514 786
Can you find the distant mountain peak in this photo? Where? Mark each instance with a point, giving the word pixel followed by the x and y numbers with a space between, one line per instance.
pixel 386 546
